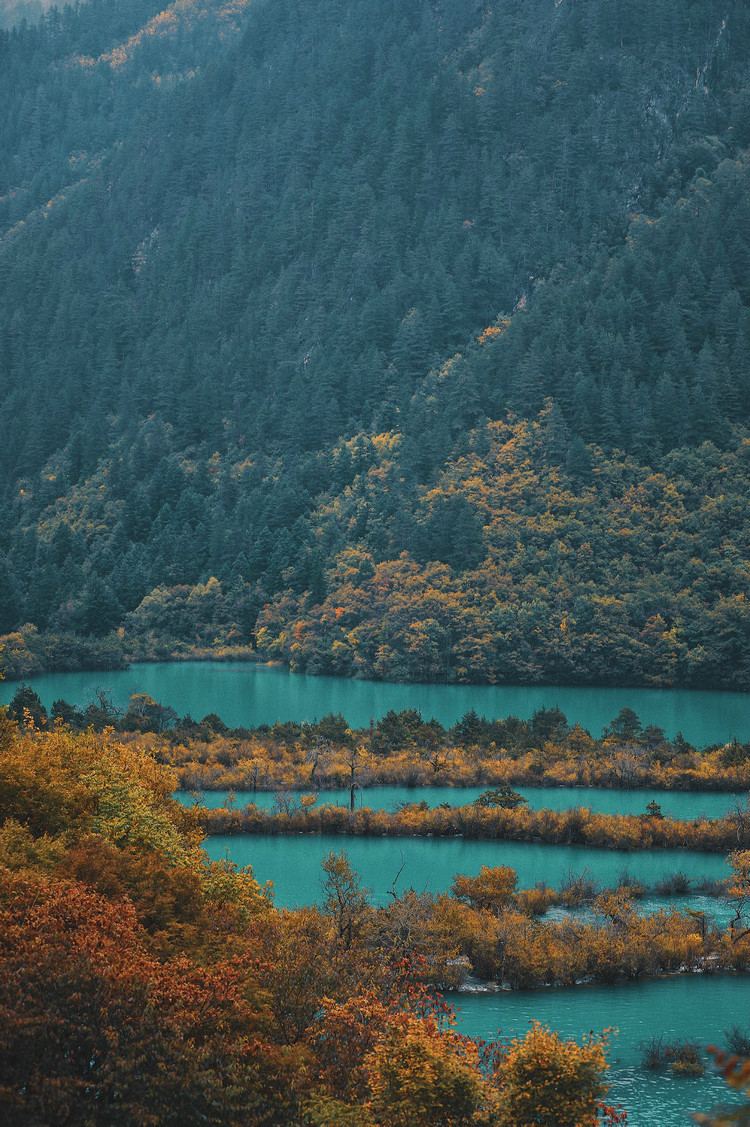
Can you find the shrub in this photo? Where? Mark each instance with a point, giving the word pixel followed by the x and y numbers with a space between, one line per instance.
pixel 674 884
pixel 654 1053
pixel 547 1081
pixel 631 883
pixel 686 1059
pixel 683 1057
pixel 737 1040
pixel 578 889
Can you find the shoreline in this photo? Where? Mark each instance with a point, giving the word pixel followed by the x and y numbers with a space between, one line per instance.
pixel 126 650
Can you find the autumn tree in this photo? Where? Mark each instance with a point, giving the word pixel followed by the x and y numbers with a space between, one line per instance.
pixel 95 1031
pixel 298 960
pixel 346 899
pixel 423 1076
pixel 739 892
pixel 26 708
pixel 493 888
pixel 147 715
pixel 548 1082
pixel 355 761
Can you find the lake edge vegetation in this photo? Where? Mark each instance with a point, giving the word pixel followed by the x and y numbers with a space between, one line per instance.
pixel 137 977
pixel 403 748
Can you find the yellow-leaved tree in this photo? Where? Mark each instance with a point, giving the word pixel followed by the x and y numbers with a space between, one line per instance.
pixel 548 1082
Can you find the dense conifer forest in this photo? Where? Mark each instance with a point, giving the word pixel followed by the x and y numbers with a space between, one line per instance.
pixel 394 340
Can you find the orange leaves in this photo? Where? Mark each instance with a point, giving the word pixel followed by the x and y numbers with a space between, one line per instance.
pixel 344 1035
pixel 402 1069
pixel 736 1069
pixel 616 906
pixel 141 983
pixel 632 572
pixel 739 891
pixel 492 889
pixel 578 826
pixel 167 23
pixel 89 806
pixel 736 1072
pixel 90 1018
pixel 422 1076
pixel 494 331
pixel 547 1082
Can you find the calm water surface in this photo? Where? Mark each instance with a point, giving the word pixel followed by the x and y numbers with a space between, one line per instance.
pixel 676 804
pixel 430 864
pixel 694 1007
pixel 248 694
pixel 293 862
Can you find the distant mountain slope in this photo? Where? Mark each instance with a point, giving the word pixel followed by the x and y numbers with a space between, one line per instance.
pixel 12 12
pixel 314 213
pixel 513 566
pixel 232 236
pixel 647 350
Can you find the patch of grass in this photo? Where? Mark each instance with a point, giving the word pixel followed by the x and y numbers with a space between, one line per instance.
pixel 674 884
pixel 683 1057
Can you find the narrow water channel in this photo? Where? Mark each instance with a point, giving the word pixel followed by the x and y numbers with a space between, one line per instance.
pixel 674 804
pixel 429 864
pixel 248 694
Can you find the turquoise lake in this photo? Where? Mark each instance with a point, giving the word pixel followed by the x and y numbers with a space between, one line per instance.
pixel 675 804
pixel 682 1007
pixel 249 694
pixel 429 864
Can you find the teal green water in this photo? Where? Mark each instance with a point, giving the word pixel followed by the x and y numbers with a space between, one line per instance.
pixel 682 1007
pixel 716 908
pixel 293 862
pixel 676 804
pixel 258 694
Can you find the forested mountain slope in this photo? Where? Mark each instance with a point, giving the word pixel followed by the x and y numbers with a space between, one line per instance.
pixel 14 12
pixel 281 283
